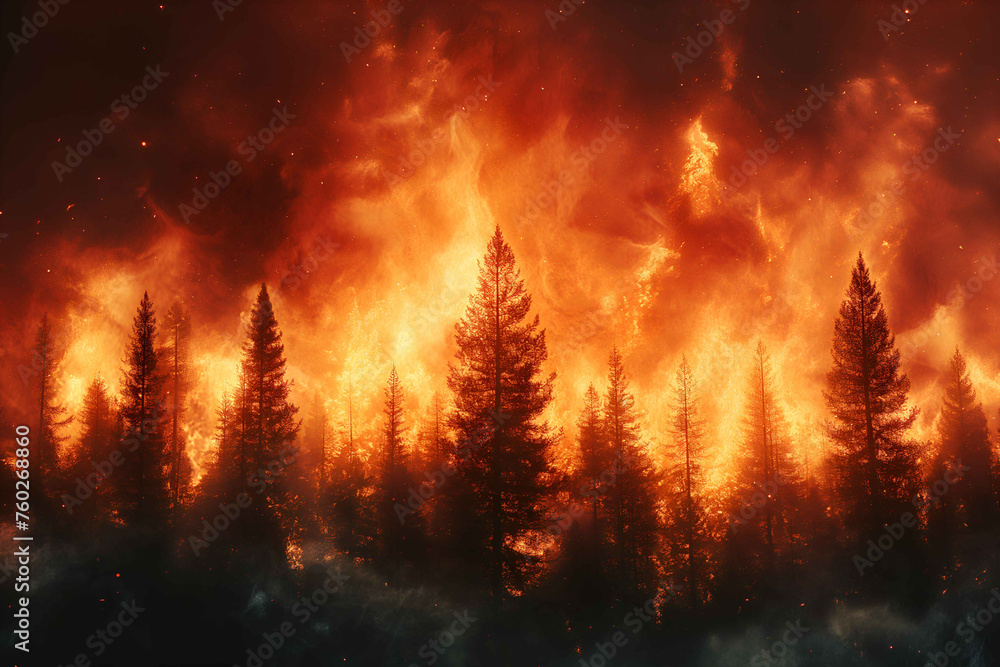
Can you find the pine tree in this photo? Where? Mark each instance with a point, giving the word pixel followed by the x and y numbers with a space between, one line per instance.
pixel 394 453
pixel 766 462
pixel 52 415
pixel 97 441
pixel 270 427
pixel 349 483
pixel 687 476
pixel 222 481
pixel 500 395
pixel 319 436
pixel 867 395
pixel 634 503
pixel 433 438
pixel 392 478
pixel 596 459
pixel 144 481
pixel 965 440
pixel 176 355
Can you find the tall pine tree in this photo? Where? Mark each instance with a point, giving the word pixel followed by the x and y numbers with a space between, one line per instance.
pixel 176 355
pixel 52 415
pixel 144 484
pixel 393 480
pixel 634 492
pixel 766 460
pixel 867 395
pixel 686 475
pixel 270 428
pixel 500 395
pixel 965 441
pixel 97 441
pixel 596 459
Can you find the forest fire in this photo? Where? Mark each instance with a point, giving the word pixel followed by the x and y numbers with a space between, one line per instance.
pixel 760 243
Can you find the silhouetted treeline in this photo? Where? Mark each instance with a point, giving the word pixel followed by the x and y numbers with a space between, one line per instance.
pixel 482 498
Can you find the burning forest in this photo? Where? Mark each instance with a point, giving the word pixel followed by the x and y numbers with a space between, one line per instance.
pixel 524 333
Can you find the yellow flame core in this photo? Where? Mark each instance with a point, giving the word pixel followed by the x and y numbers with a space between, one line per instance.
pixel 699 179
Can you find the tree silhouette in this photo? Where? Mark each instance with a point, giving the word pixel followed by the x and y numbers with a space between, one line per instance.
pixel 596 459
pixel 500 395
pixel 52 415
pixel 321 424
pixel 270 426
pixel 867 394
pixel 965 438
pixel 765 437
pixel 98 438
pixel 634 491
pixel 144 473
pixel 399 537
pixel 687 477
pixel 963 459
pixel 432 436
pixel 349 489
pixel 176 355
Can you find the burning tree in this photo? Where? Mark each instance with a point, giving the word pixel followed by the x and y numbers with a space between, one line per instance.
pixel 176 354
pixel 498 383
pixel 686 477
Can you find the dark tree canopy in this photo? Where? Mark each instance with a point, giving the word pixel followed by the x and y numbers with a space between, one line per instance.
pixel 867 396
